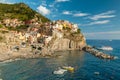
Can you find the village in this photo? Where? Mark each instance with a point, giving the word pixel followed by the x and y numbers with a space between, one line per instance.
pixel 37 39
pixel 42 39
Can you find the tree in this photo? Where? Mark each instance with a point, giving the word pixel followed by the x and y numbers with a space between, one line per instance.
pixel 78 30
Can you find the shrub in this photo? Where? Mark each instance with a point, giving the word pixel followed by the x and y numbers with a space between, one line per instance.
pixel 78 30
pixel 1 38
pixel 1 26
pixel 18 28
pixel 66 28
pixel 21 27
pixel 4 32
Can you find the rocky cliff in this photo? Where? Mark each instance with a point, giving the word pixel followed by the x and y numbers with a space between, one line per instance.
pixel 67 44
pixel 68 38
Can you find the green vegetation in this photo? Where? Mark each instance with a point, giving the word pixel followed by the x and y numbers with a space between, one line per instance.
pixel 22 27
pixel 3 32
pixel 66 28
pixel 18 28
pixel 78 30
pixel 19 11
pixel 74 36
pixel 1 38
pixel 1 26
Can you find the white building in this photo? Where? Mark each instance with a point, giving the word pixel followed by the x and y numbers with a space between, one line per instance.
pixel 57 33
pixel 75 27
pixel 49 38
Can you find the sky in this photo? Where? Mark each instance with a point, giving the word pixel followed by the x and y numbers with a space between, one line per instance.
pixel 97 19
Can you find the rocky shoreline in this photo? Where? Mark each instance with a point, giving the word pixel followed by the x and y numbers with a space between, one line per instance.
pixel 23 53
pixel 26 54
pixel 8 57
pixel 97 53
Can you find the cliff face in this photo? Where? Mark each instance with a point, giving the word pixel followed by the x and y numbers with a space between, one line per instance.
pixel 67 44
pixel 67 39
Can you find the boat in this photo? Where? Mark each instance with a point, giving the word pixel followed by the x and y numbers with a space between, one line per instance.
pixel 69 68
pixel 108 48
pixel 60 71
pixel 96 73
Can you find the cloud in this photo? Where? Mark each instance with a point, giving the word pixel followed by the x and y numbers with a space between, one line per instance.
pixel 6 1
pixel 74 13
pixel 43 10
pixel 43 3
pixel 66 12
pixel 32 3
pixel 51 5
pixel 55 5
pixel 54 16
pixel 80 14
pixel 99 22
pixel 62 0
pixel 108 14
pixel 79 24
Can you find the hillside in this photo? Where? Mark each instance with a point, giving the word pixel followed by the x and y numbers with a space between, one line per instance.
pixel 19 11
pixel 24 33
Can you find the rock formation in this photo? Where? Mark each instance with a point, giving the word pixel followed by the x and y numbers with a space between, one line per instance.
pixel 67 39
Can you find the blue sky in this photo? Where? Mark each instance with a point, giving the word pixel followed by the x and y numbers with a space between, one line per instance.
pixel 98 19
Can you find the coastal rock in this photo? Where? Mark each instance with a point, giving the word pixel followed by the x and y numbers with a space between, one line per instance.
pixel 67 44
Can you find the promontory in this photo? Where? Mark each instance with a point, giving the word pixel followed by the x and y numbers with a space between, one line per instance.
pixel 24 33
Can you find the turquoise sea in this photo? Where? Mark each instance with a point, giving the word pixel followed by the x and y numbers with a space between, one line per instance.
pixel 84 63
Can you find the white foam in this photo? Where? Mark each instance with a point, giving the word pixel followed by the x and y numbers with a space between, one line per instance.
pixel 115 57
pixel 10 60
pixel 1 79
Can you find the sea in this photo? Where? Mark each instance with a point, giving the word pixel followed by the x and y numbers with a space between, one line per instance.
pixel 87 66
